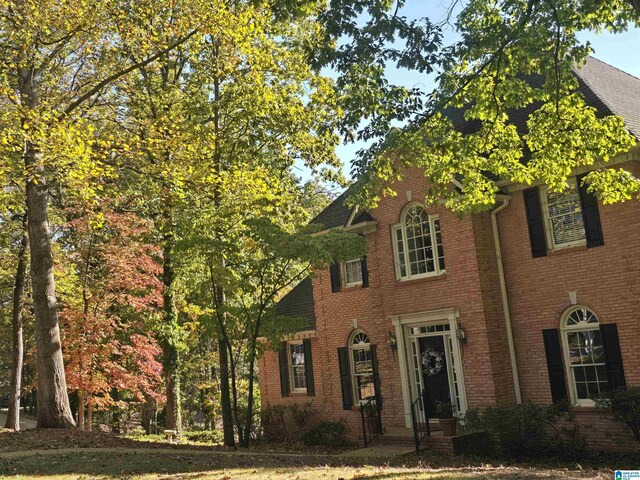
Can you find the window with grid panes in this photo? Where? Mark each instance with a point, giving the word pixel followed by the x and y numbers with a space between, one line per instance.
pixel 297 370
pixel 418 244
pixel 563 213
pixel 352 272
pixel 587 372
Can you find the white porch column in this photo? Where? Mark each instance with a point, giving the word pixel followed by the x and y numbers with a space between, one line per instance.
pixel 402 364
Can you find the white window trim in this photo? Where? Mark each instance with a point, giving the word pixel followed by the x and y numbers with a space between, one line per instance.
pixel 290 367
pixel 400 323
pixel 396 253
pixel 343 273
pixel 568 370
pixel 548 227
pixel 352 366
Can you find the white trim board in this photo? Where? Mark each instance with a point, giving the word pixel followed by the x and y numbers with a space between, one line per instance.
pixel 400 322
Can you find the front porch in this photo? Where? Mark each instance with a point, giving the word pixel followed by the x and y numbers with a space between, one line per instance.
pixel 437 442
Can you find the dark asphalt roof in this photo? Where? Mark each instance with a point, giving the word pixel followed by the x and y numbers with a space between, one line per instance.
pixel 335 215
pixel 299 303
pixel 612 91
pixel 609 90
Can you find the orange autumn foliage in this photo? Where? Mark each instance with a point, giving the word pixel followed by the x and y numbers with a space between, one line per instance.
pixel 114 293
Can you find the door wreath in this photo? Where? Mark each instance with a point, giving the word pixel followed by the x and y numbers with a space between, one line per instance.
pixel 432 362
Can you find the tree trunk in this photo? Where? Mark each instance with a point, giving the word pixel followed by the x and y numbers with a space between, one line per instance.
pixel 81 409
pixel 89 415
pixel 250 399
pixel 53 401
pixel 148 411
pixel 225 395
pixel 234 391
pixel 13 415
pixel 116 414
pixel 219 295
pixel 171 355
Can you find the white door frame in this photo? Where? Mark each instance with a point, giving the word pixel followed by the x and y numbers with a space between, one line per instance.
pixel 400 322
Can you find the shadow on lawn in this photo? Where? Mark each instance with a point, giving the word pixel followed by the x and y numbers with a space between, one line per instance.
pixel 231 467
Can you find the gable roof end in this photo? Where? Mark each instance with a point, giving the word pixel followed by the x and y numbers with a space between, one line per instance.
pixel 612 92
pixel 336 214
pixel 299 303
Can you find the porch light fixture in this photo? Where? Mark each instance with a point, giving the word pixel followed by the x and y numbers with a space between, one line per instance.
pixel 392 341
pixel 461 335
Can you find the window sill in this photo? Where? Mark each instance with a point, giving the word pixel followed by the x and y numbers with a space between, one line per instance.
pixel 351 286
pixel 567 249
pixel 422 278
pixel 298 393
pixel 586 408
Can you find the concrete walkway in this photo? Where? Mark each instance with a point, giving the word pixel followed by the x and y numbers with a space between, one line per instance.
pixel 380 451
pixel 26 422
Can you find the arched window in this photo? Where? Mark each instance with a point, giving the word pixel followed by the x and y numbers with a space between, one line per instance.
pixel 585 358
pixel 418 244
pixel 361 366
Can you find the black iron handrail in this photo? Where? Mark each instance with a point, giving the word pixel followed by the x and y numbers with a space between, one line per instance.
pixel 371 421
pixel 420 419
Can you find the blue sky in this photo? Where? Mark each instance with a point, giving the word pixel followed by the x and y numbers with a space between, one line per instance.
pixel 621 51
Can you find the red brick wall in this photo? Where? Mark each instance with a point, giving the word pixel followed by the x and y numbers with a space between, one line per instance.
pixel 470 285
pixel 606 279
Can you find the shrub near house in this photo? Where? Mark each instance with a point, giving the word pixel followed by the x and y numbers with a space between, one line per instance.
pixel 535 301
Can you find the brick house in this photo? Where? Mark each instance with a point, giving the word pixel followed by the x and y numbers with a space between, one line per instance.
pixel 537 300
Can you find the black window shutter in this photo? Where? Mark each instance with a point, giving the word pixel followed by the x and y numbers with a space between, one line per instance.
pixel 611 343
pixel 284 370
pixel 365 273
pixel 535 222
pixel 555 364
pixel 376 376
pixel 308 367
pixel 345 378
pixel 334 269
pixel 590 215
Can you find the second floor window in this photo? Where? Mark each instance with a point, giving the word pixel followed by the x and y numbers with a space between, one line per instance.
pixel 418 244
pixel 352 272
pixel 563 215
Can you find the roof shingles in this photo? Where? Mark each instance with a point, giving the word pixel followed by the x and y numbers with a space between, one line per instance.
pixel 299 303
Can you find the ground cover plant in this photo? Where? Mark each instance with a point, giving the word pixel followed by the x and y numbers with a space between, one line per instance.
pixel 528 431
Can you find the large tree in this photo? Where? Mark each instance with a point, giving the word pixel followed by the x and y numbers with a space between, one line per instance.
pixel 204 119
pixel 110 298
pixel 56 58
pixel 512 56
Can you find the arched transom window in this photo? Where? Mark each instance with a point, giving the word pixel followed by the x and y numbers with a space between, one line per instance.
pixel 587 372
pixel 361 366
pixel 418 244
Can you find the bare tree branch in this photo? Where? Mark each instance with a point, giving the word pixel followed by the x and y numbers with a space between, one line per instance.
pixel 111 78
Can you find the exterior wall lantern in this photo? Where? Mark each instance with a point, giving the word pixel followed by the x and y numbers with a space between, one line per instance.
pixel 392 341
pixel 461 335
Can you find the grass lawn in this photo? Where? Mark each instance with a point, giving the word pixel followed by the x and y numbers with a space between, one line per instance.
pixel 215 466
pixel 78 455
